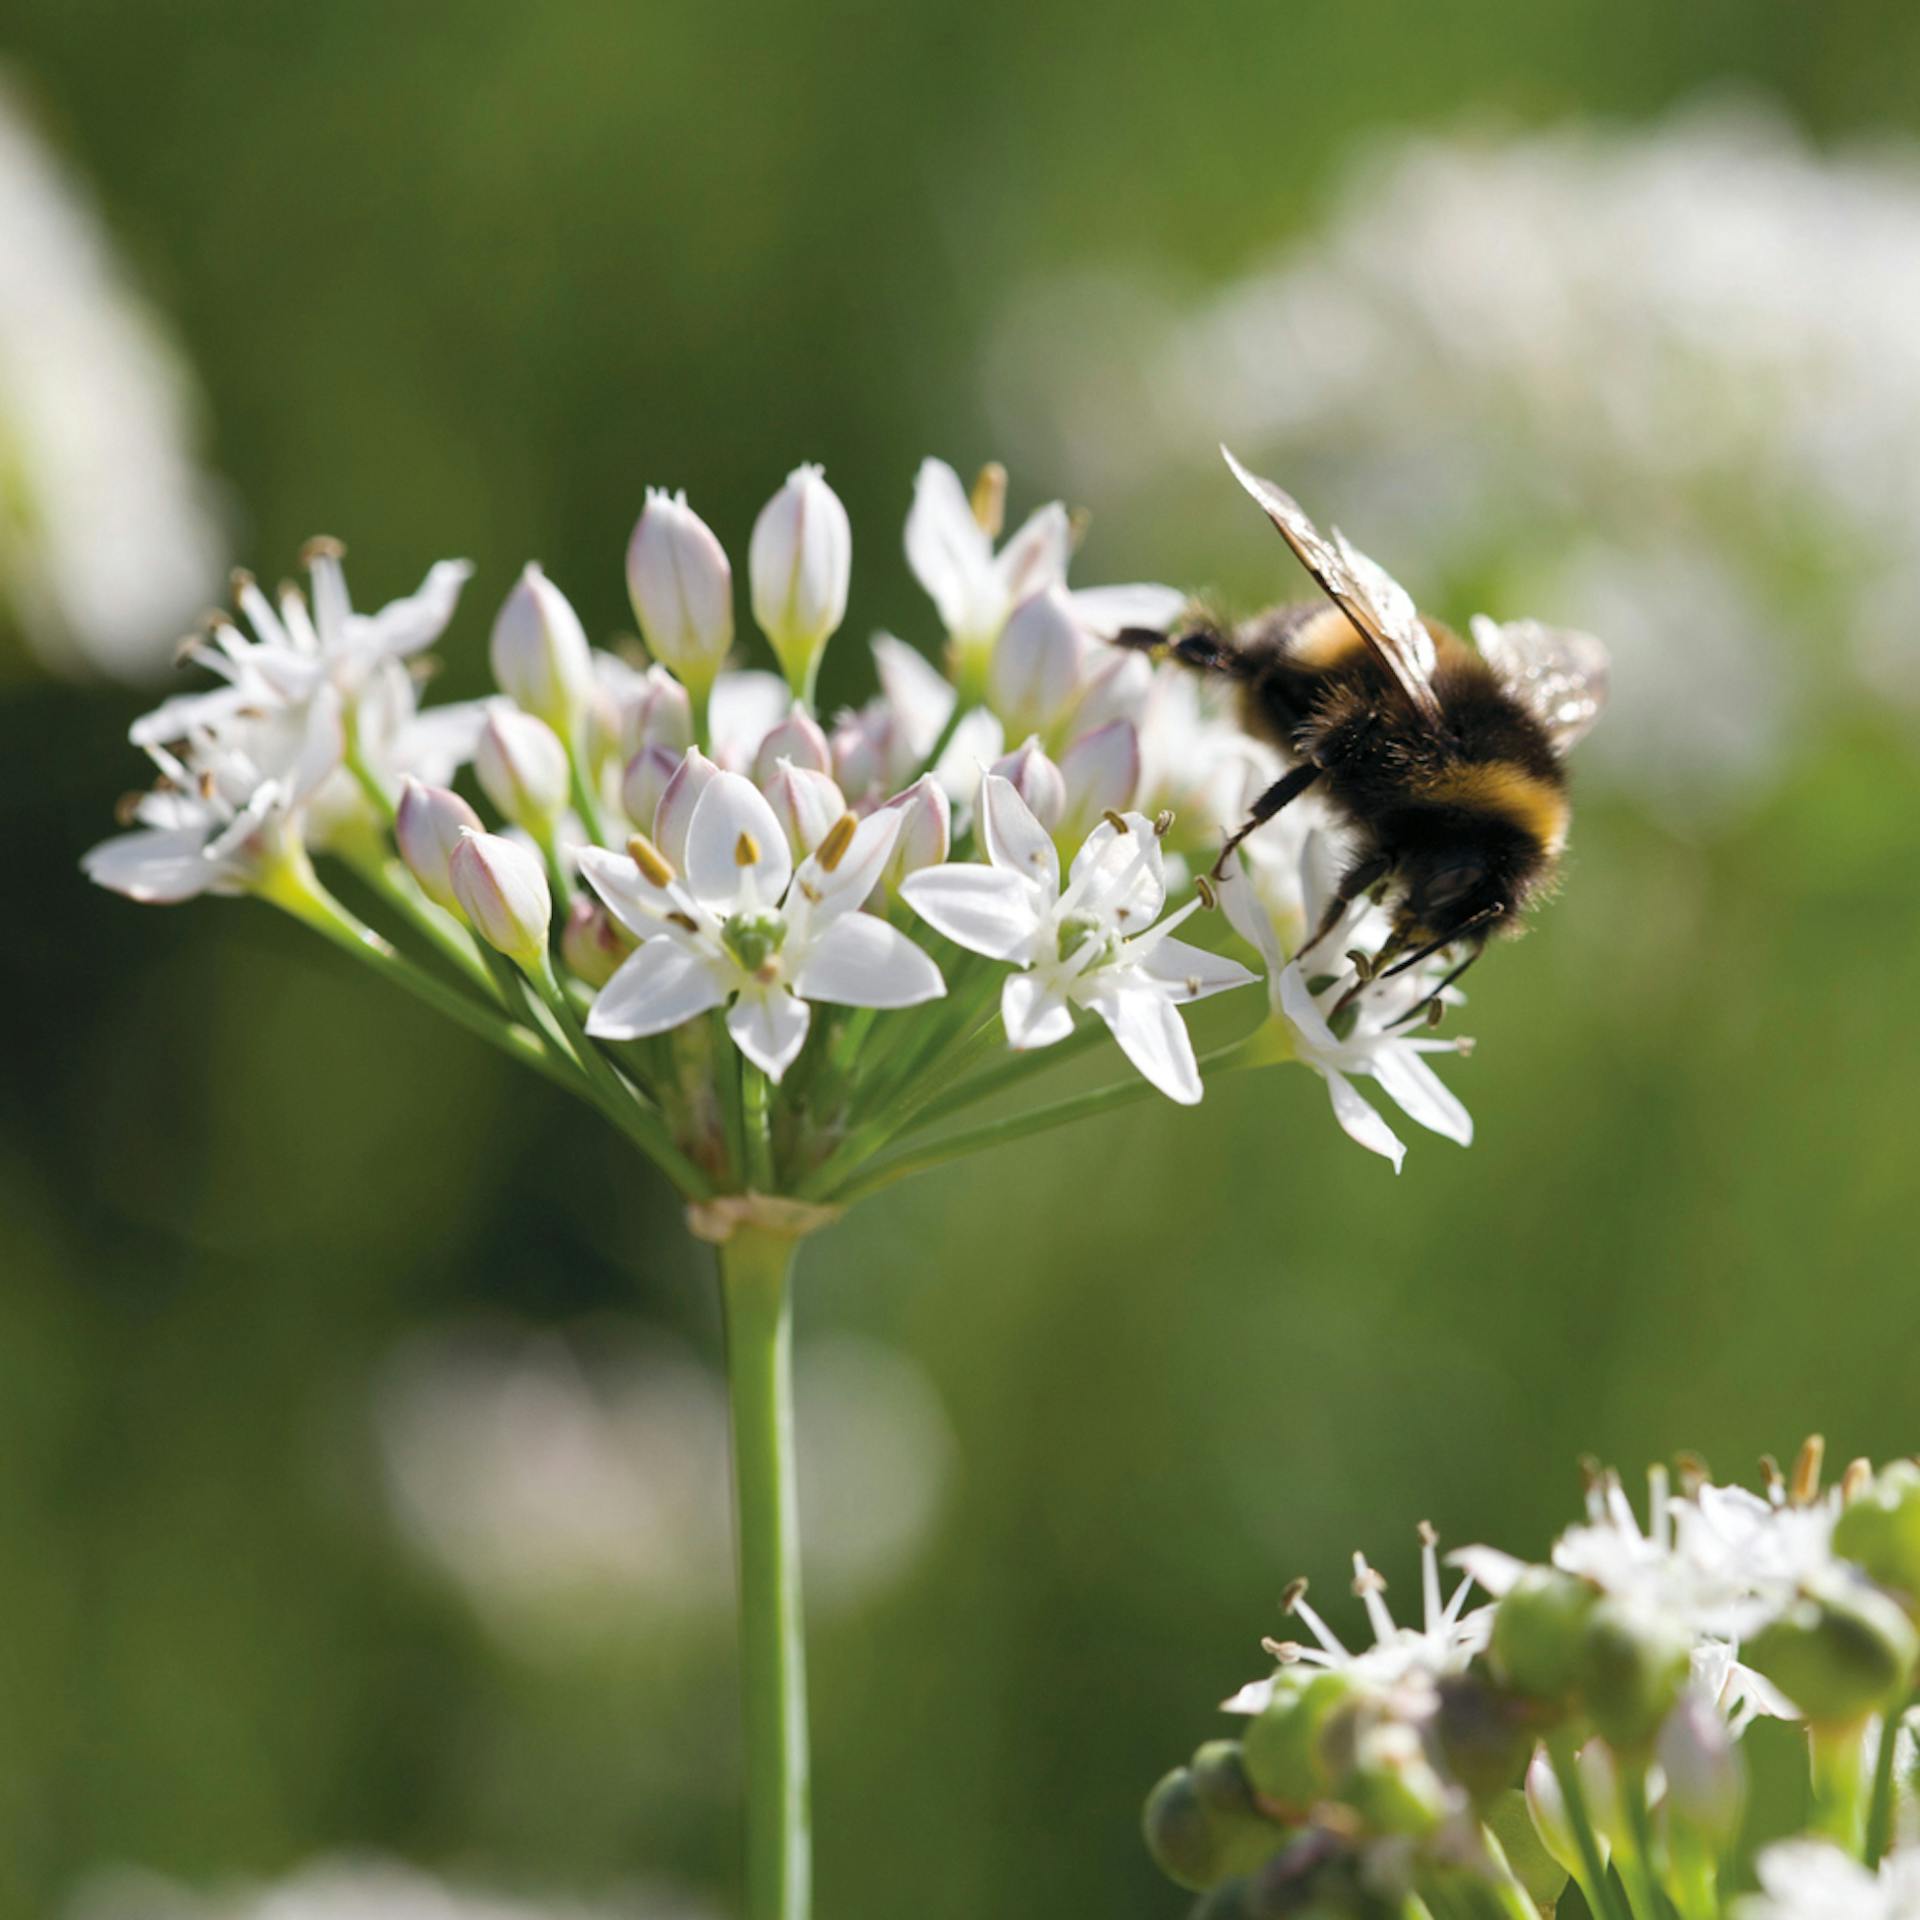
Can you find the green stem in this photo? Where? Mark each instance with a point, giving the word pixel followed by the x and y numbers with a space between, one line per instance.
pixel 584 804
pixel 755 1270
pixel 1639 1870
pixel 1839 1805
pixel 1880 1807
pixel 1597 1886
pixel 1009 1072
pixel 389 878
pixel 369 783
pixel 757 1121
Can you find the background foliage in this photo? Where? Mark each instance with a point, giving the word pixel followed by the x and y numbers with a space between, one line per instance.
pixel 464 279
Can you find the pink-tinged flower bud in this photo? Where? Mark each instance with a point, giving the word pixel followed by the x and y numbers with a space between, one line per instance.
pixel 1706 1778
pixel 593 943
pixel 1038 663
pixel 644 784
pixel 660 714
pixel 806 804
pixel 682 588
pixel 502 889
pixel 1036 780
pixel 797 738
pixel 799 563
pixel 540 654
pixel 1118 686
pixel 926 829
pixel 427 826
pixel 1548 1806
pixel 1101 771
pixel 860 749
pixel 675 811
pixel 522 767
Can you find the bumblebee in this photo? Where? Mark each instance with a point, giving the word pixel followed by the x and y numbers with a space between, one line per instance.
pixel 1446 762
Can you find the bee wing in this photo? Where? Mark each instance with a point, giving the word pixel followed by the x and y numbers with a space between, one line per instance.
pixel 1558 673
pixel 1364 591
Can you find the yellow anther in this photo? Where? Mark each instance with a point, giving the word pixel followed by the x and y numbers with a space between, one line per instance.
pixel 989 499
pixel 833 849
pixel 654 865
pixel 746 851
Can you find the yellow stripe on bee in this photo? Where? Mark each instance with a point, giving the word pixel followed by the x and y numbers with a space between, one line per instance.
pixel 1537 807
pixel 1326 640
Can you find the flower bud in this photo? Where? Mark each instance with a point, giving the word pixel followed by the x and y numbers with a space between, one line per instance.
pixel 659 714
pixel 805 803
pixel 861 749
pixel 1101 772
pixel 1284 1756
pixel 540 654
pixel 1879 1531
pixel 797 738
pixel 1838 1655
pixel 926 830
pixel 1633 1664
pixel 1392 1785
pixel 681 587
pixel 1706 1781
pixel 1538 1628
pixel 1118 686
pixel 799 563
pixel 593 943
pixel 1484 1732
pixel 1201 1823
pixel 1036 780
pixel 427 826
pixel 1038 662
pixel 644 782
pixel 522 767
pixel 675 812
pixel 1551 1820
pixel 502 889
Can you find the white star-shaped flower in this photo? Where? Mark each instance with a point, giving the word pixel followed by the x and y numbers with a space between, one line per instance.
pixel 1094 945
pixel 743 925
pixel 1815 1880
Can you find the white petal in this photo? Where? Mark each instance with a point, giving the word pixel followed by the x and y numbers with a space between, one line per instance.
pixel 737 850
pixel 741 711
pixel 662 986
pixel 1358 1121
pixel 1297 1004
pixel 156 867
pixel 1036 557
pixel 1420 1093
pixel 405 626
pixel 862 962
pixel 1254 1698
pixel 947 549
pixel 1034 1012
pixel 1109 610
pixel 1150 1032
pixel 1489 1566
pixel 920 695
pixel 1249 918
pixel 984 909
pixel 1120 876
pixel 632 899
pixel 1191 972
pixel 975 745
pixel 821 896
pixel 1016 842
pixel 770 1027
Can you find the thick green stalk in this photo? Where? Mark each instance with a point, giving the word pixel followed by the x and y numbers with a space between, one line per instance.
pixel 1837 1755
pixel 1596 1884
pixel 1880 1807
pixel 755 1270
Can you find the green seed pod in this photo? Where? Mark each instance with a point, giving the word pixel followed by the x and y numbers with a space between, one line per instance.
pixel 1201 1824
pixel 1537 1633
pixel 1179 1833
pixel 1837 1656
pixel 1283 1753
pixel 1632 1667
pixel 1486 1734
pixel 1879 1531
pixel 1220 1779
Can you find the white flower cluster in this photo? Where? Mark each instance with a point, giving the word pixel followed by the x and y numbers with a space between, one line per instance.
pixel 110 526
pixel 689 852
pixel 1606 1690
pixel 1613 351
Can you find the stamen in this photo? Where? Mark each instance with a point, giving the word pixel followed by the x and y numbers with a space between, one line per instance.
pixel 1287 1652
pixel 833 849
pixel 1163 823
pixel 1805 1489
pixel 1775 1479
pixel 1329 1642
pixel 323 546
pixel 746 851
pixel 1436 1012
pixel 654 865
pixel 126 810
pixel 1362 963
pixel 1659 1513
pixel 1369 1585
pixel 1693 1471
pixel 1854 1482
pixel 1114 821
pixel 1429 1575
pixel 684 921
pixel 1078 521
pixel 1204 887
pixel 989 499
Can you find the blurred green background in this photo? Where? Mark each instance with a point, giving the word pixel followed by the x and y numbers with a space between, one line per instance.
pixel 463 279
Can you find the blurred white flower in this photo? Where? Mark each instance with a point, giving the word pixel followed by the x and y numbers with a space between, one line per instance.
pixel 1605 369
pixel 561 1484
pixel 111 528
pixel 1815 1880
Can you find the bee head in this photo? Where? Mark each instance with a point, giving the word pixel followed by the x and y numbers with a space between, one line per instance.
pixel 1450 892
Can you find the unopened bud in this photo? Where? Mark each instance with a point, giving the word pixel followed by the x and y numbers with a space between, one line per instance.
pixel 675 812
pixel 1706 1781
pixel 541 658
pixel 1839 1655
pixel 645 781
pixel 1101 771
pixel 797 738
pixel 800 561
pixel 1538 1628
pixel 427 826
pixel 1038 662
pixel 1633 1663
pixel 926 830
pixel 681 587
pixel 1117 687
pixel 593 943
pixel 502 889
pixel 1202 1825
pixel 658 714
pixel 522 767
pixel 1284 1756
pixel 1551 1820
pixel 805 803
pixel 1484 1732
pixel 1392 1784
pixel 1036 780
pixel 1879 1531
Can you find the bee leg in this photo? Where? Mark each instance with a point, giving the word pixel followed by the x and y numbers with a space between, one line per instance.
pixel 1431 1004
pixel 1290 786
pixel 1353 883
